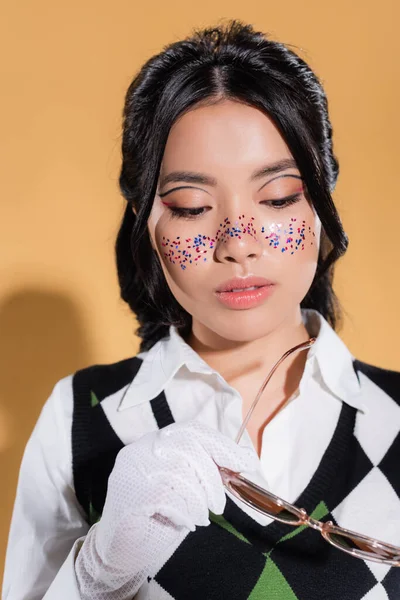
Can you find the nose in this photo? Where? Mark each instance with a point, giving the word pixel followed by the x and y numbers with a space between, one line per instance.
pixel 237 243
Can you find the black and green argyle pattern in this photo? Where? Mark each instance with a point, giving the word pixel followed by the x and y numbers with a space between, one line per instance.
pixel 235 557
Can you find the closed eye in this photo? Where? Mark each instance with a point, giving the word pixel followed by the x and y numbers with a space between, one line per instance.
pixel 187 213
pixel 280 203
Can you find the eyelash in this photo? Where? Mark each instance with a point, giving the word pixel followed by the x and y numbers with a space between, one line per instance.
pixel 193 213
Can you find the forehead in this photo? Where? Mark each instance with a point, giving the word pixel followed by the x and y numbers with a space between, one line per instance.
pixel 227 135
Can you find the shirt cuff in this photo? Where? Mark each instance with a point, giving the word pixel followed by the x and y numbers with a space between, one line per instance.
pixel 65 584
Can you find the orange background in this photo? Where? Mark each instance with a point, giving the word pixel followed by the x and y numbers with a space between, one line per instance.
pixel 65 70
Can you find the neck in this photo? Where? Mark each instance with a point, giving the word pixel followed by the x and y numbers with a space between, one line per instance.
pixel 245 366
pixel 233 358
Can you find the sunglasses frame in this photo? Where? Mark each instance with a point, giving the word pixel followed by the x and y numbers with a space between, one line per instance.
pixel 232 481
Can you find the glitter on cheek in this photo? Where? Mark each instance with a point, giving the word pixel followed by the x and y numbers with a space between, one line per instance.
pixel 177 255
pixel 293 238
pixel 288 239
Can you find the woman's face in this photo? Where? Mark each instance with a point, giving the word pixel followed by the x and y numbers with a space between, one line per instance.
pixel 230 207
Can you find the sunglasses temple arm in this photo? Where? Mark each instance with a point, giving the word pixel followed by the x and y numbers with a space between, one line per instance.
pixel 299 348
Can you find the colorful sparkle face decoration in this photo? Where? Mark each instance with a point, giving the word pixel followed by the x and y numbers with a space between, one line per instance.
pixel 190 251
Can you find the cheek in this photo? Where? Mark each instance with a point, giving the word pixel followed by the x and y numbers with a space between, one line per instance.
pixel 186 257
pixel 187 250
pixel 296 237
pixel 296 255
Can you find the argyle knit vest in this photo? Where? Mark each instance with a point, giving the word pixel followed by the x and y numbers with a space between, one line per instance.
pixel 236 558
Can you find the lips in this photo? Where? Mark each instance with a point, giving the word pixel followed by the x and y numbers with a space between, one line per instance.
pixel 242 283
pixel 242 293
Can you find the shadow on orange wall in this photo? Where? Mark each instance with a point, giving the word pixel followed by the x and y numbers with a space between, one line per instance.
pixel 42 340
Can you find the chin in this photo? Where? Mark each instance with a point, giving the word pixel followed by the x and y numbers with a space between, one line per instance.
pixel 244 325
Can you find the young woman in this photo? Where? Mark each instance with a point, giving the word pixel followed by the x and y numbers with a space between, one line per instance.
pixel 128 486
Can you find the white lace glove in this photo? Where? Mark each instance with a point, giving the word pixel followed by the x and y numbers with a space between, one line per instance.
pixel 161 487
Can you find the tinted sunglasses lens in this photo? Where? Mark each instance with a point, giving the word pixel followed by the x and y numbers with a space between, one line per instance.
pixel 363 546
pixel 263 501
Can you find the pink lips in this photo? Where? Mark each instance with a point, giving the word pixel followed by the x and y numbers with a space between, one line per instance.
pixel 242 293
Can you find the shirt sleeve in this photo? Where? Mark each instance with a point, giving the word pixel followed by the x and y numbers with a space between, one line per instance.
pixel 48 524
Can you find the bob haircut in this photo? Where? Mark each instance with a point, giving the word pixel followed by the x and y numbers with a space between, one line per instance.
pixel 235 62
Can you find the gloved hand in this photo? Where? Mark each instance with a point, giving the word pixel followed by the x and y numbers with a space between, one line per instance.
pixel 161 487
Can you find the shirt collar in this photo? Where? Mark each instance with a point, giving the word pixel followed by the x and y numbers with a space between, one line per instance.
pixel 328 354
pixel 160 364
pixel 333 360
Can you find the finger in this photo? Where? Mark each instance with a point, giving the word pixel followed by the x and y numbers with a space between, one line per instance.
pixel 175 506
pixel 224 451
pixel 186 457
pixel 186 485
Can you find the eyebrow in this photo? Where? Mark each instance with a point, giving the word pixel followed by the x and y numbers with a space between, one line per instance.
pixel 203 179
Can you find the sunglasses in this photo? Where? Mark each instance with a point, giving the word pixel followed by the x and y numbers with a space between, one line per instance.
pixel 356 544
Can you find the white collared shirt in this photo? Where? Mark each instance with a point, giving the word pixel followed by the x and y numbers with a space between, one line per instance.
pixel 48 524
pixel 301 428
